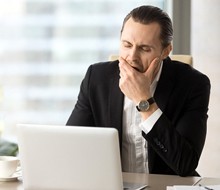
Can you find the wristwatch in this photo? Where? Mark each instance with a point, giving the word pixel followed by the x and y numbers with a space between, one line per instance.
pixel 144 105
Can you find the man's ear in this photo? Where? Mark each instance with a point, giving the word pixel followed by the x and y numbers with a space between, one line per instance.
pixel 166 51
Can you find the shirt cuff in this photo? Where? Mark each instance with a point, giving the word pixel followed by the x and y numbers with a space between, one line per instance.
pixel 148 124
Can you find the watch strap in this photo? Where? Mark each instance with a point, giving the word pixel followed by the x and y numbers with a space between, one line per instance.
pixel 151 100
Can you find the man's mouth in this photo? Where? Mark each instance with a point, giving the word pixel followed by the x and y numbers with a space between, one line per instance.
pixel 137 69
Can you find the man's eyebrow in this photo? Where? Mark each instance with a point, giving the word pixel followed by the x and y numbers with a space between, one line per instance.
pixel 125 41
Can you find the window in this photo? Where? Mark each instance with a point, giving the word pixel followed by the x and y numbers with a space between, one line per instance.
pixel 46 47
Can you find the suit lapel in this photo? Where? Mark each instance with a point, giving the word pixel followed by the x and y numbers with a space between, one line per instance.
pixel 162 94
pixel 116 103
pixel 165 84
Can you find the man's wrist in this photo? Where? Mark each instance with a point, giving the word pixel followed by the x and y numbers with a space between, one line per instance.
pixel 148 123
pixel 150 111
pixel 144 105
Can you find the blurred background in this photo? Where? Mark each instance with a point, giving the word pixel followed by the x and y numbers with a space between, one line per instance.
pixel 46 47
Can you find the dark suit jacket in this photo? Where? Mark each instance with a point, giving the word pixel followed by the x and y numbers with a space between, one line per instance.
pixel 176 141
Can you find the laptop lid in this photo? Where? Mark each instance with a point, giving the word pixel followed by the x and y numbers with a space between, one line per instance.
pixel 65 157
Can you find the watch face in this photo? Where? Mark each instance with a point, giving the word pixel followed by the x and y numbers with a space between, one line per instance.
pixel 144 105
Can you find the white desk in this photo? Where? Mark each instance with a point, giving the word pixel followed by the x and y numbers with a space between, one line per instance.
pixel 159 182
pixel 156 182
pixel 208 181
pixel 205 181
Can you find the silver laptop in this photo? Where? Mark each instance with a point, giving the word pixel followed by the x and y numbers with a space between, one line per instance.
pixel 69 158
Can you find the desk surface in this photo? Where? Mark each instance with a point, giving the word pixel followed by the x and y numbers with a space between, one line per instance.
pixel 155 182
pixel 208 181
pixel 159 182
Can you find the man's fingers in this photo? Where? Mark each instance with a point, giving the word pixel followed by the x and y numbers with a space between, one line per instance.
pixel 153 65
pixel 124 67
pixel 153 68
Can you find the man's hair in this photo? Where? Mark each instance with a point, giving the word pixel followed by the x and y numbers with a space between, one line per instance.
pixel 149 14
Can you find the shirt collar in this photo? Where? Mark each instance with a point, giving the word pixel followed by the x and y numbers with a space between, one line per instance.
pixel 159 72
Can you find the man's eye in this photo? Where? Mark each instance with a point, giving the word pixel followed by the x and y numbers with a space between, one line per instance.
pixel 127 45
pixel 146 49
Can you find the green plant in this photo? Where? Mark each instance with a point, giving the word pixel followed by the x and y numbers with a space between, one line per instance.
pixel 8 148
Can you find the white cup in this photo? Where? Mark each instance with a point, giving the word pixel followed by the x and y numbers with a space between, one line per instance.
pixel 8 166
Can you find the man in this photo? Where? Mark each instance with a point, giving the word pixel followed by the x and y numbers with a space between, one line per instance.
pixel 158 106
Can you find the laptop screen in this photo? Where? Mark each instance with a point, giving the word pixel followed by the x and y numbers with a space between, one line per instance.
pixel 67 157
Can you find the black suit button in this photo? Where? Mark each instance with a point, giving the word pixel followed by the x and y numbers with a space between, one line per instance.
pixel 156 141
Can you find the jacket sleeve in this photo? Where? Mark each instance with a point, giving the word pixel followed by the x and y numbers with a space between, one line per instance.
pixel 82 114
pixel 178 139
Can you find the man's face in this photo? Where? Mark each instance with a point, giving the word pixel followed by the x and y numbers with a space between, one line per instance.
pixel 140 44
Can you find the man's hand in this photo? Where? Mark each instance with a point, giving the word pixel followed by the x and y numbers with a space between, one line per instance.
pixel 135 84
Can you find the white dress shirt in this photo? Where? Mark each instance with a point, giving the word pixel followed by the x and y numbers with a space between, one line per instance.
pixel 134 146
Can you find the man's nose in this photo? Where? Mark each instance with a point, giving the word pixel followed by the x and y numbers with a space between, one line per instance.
pixel 133 55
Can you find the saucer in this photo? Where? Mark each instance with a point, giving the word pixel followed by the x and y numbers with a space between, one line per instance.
pixel 14 177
